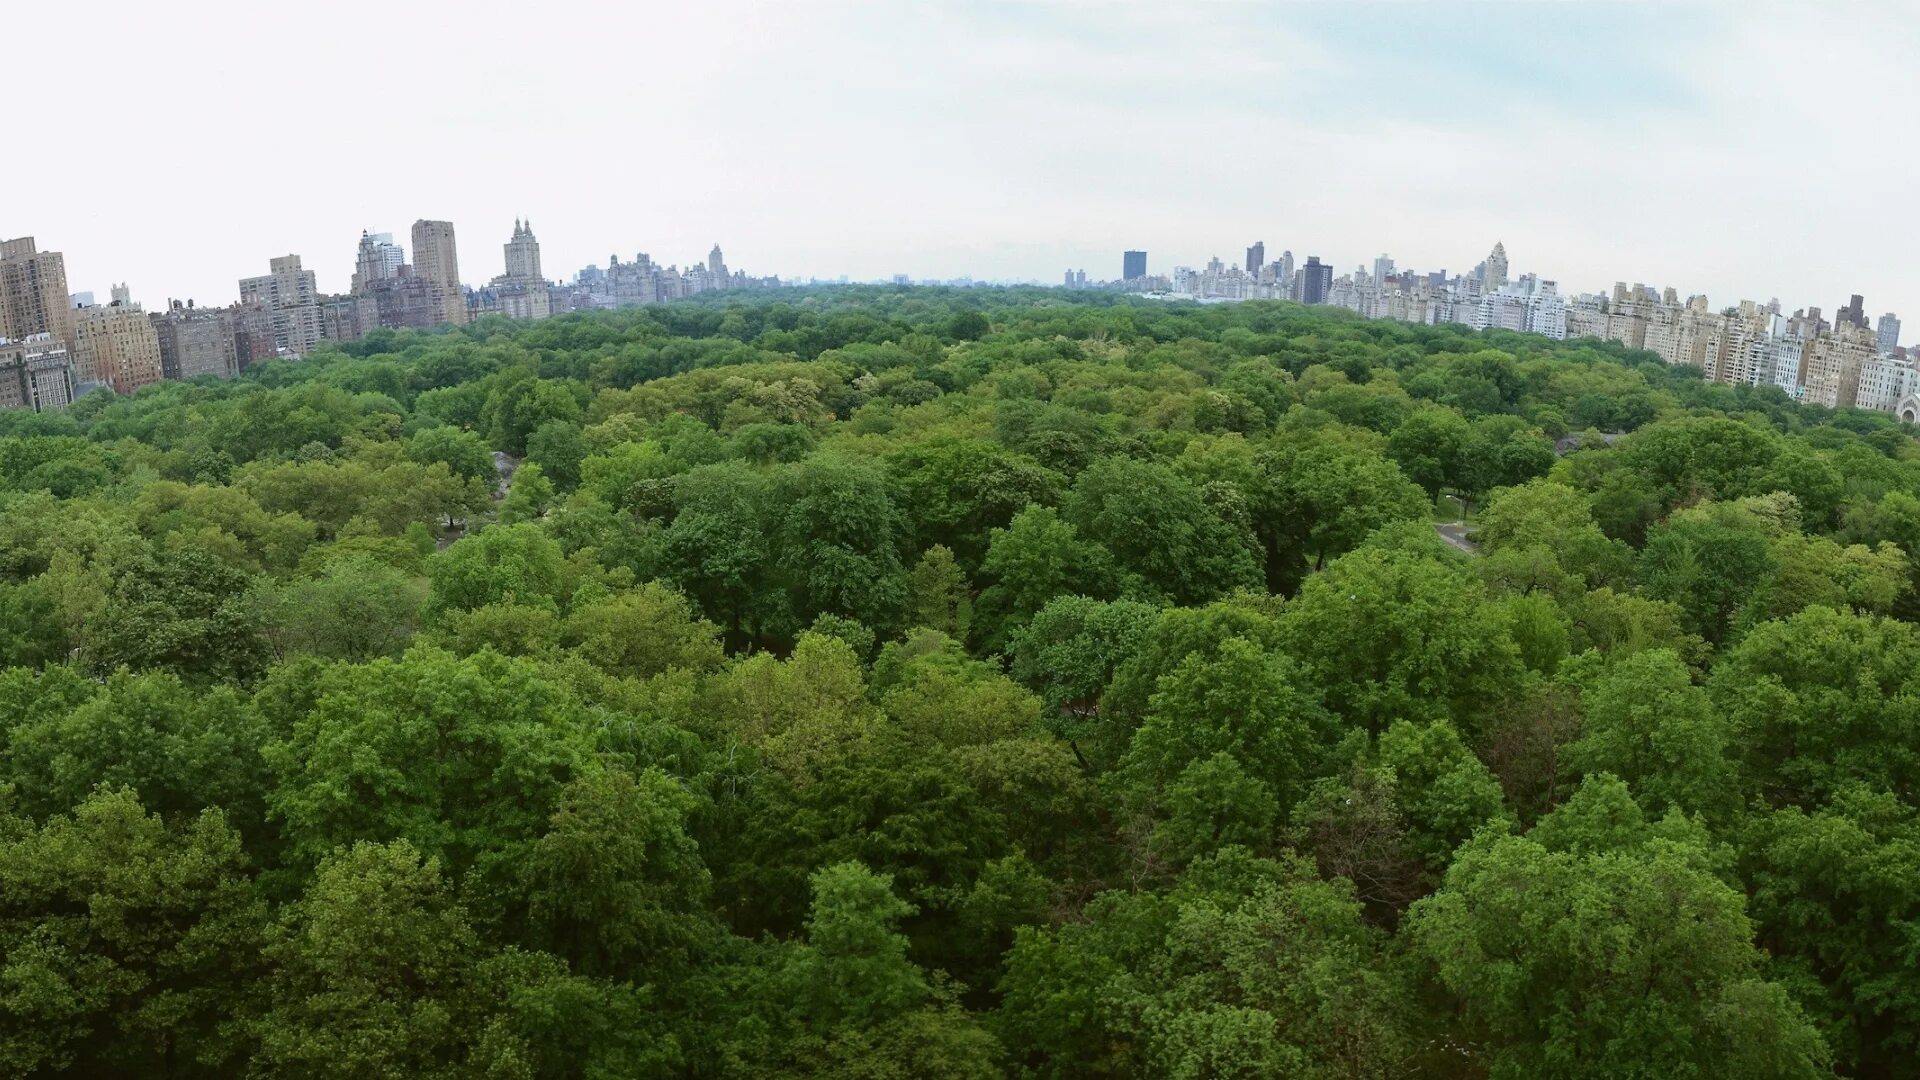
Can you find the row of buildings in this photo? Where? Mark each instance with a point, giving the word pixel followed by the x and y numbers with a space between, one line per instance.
pixel 1845 362
pixel 56 346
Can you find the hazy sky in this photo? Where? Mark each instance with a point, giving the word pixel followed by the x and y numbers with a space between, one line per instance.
pixel 1740 149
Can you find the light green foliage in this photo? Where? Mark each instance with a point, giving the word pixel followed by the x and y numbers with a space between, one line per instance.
pixel 372 971
pixel 464 758
pixel 628 476
pixel 1158 526
pixel 1648 724
pixel 1325 499
pixel 1034 559
pixel 1820 701
pixel 617 883
pixel 506 564
pixel 939 595
pixel 1432 449
pixel 643 632
pixel 1602 945
pixel 355 609
pixel 1246 969
pixel 803 713
pixel 1832 889
pixel 558 448
pixel 1242 702
pixel 462 452
pixel 908 683
pixel 181 610
pixel 530 497
pixel 181 749
pixel 125 943
pixel 1073 647
pixel 1400 634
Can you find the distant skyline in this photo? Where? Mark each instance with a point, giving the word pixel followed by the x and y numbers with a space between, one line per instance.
pixel 1744 150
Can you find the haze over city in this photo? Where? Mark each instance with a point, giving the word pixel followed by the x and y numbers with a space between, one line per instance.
pixel 1744 151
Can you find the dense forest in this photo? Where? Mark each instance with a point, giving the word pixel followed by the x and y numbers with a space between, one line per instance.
pixel 900 683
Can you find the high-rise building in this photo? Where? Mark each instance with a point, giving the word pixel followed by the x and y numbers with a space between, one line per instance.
pixel 523 253
pixel 253 335
pixel 1831 373
pixel 291 301
pixel 33 292
pixel 378 259
pixel 35 373
pixel 1889 331
pixel 196 341
pixel 411 301
pixel 349 317
pixel 1283 275
pixel 1853 314
pixel 1316 281
pixel 716 269
pixel 115 344
pixel 1133 266
pixel 1496 267
pixel 1382 270
pixel 521 292
pixel 1256 256
pixel 436 262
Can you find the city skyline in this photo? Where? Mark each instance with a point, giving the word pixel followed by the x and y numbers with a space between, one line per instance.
pixel 1740 150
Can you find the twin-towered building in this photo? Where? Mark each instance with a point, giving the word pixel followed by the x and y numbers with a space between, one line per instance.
pixel 55 346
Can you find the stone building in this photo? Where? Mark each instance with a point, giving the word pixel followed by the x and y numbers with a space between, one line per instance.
pixel 196 341
pixel 33 292
pixel 116 344
pixel 290 297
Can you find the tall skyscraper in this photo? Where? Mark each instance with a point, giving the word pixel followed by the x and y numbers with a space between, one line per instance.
pixel 379 259
pixel 1256 256
pixel 1854 313
pixel 1316 281
pixel 1382 270
pixel 522 292
pixel 523 253
pixel 33 292
pixel 1283 274
pixel 435 261
pixel 1496 273
pixel 1133 266
pixel 291 302
pixel 1889 333
pixel 717 268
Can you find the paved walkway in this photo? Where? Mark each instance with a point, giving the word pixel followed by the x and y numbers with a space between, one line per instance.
pixel 1455 533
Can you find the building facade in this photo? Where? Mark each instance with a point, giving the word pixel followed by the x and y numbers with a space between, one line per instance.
pixel 377 259
pixel 33 292
pixel 436 263
pixel 522 292
pixel 36 374
pixel 196 341
pixel 291 301
pixel 1316 281
pixel 116 344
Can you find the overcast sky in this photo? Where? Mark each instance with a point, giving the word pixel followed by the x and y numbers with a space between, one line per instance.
pixel 1740 149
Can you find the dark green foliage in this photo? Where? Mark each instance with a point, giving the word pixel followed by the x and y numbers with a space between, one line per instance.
pixel 902 683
